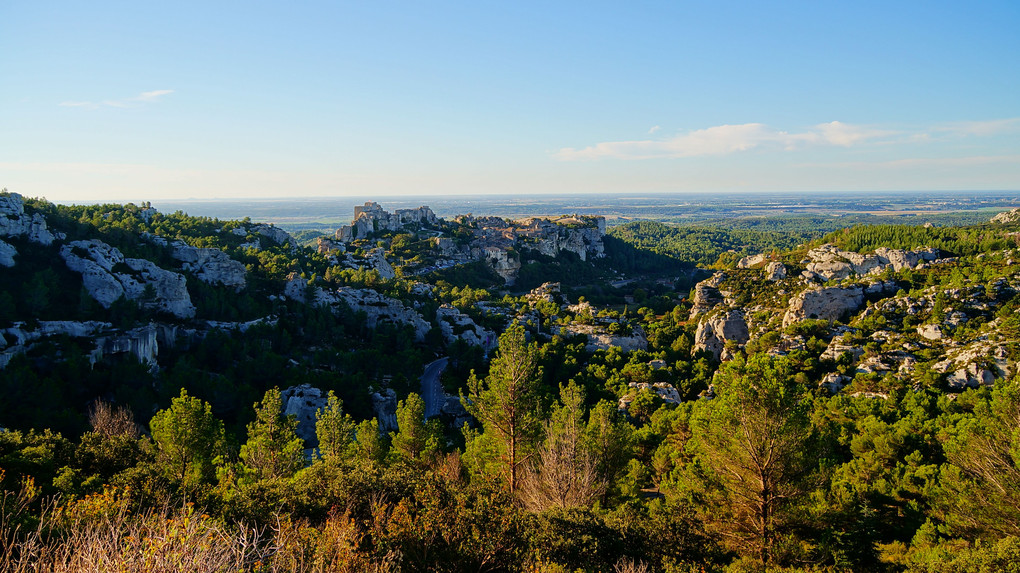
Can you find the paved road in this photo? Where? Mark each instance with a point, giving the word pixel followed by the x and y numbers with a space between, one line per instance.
pixel 431 388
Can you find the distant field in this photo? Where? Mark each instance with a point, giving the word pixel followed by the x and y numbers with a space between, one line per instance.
pixel 746 210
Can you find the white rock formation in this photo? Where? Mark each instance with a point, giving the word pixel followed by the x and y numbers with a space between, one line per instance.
pixel 715 331
pixel 454 325
pixel 751 261
pixel 976 364
pixel 14 222
pixel 212 266
pixel 823 303
pixel 775 271
pixel 1007 217
pixel 273 233
pixel 141 342
pixel 930 331
pixel 705 295
pixel 7 254
pixel 830 262
pixel 377 260
pixel 303 402
pixel 600 339
pixel 107 275
pixel 504 263
pixel 379 308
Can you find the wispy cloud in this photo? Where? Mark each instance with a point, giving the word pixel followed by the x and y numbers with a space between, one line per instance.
pixel 727 139
pixel 142 98
pixel 654 129
pixel 981 128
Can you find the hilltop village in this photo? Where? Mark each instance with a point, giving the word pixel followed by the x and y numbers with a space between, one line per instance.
pixel 585 379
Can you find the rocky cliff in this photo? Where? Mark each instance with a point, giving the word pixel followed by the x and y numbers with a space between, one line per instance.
pixel 107 275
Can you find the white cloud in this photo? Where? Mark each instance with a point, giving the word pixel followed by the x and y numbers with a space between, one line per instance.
pixel 980 128
pixel 654 129
pixel 144 97
pixel 726 139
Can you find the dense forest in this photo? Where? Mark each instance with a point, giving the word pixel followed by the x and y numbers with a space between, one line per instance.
pixel 680 455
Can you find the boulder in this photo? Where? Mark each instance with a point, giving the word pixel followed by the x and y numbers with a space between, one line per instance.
pixel 930 331
pixel 829 303
pixel 303 402
pixel 7 254
pixel 775 271
pixel 715 331
pixel 751 261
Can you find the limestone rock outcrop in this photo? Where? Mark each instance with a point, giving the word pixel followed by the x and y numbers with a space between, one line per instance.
pixel 384 403
pixel 751 261
pixel 705 295
pixel 303 402
pixel 370 217
pixel 829 303
pixel 211 266
pixel 455 325
pixel 377 260
pixel 141 342
pixel 830 262
pixel 976 364
pixel 380 309
pixel 14 222
pixel 1006 217
pixel 505 263
pixel 715 331
pixel 107 275
pixel 273 233
pixel 7 254
pixel 775 271
pixel 601 339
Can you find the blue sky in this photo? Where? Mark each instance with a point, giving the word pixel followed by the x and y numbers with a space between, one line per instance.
pixel 144 100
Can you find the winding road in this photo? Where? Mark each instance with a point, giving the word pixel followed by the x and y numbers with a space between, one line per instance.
pixel 432 389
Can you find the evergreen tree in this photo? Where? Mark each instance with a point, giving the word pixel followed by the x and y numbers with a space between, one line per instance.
pixel 334 429
pixel 506 402
pixel 273 449
pixel 187 438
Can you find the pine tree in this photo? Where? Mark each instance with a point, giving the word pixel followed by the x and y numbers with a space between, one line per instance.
pixel 506 402
pixel 273 449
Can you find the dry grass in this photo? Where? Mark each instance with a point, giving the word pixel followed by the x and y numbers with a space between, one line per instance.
pixel 100 533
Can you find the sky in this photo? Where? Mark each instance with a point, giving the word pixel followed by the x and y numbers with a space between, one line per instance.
pixel 177 100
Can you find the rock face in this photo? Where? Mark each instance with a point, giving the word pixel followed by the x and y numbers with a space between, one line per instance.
pixel 1007 217
pixel 775 272
pixel 379 309
pixel 377 259
pixel 824 303
pixel 705 295
pixel 599 339
pixel 830 262
pixel 385 405
pixel 107 275
pixel 974 365
pixel 274 234
pixel 14 222
pixel 715 331
pixel 140 342
pixel 930 331
pixel 370 218
pixel 751 261
pixel 7 254
pixel 303 402
pixel 212 266
pixel 456 325
pixel 504 263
